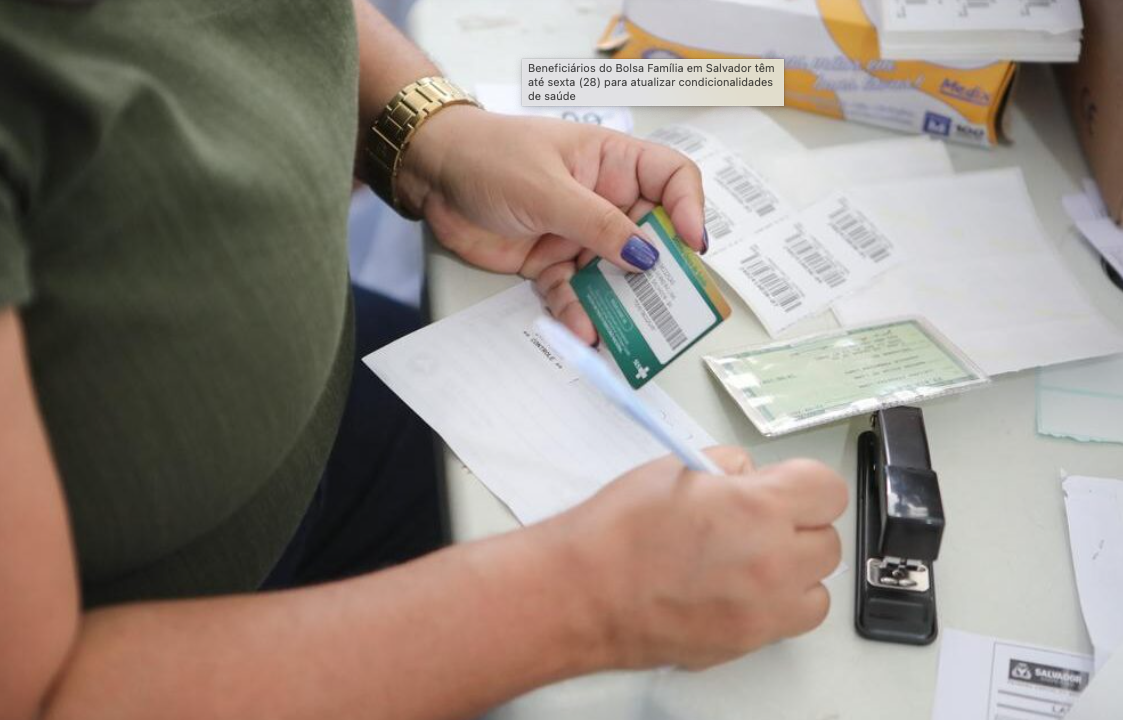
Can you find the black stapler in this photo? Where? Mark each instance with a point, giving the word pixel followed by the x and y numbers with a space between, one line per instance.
pixel 900 524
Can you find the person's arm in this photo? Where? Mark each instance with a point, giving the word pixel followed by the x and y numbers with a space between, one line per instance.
pixel 664 566
pixel 532 196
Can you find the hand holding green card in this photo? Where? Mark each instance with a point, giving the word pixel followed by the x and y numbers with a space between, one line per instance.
pixel 648 319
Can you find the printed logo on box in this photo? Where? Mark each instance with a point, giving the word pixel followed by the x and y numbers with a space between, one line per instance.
pixel 1048 675
pixel 937 124
pixel 976 95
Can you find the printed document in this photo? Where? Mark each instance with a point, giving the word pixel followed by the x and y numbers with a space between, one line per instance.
pixel 982 271
pixel 985 677
pixel 521 420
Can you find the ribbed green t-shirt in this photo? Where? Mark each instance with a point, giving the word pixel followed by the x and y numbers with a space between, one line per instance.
pixel 174 184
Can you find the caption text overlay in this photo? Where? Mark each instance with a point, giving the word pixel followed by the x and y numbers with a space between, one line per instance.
pixel 714 82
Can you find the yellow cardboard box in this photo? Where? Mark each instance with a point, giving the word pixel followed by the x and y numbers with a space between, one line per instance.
pixel 832 62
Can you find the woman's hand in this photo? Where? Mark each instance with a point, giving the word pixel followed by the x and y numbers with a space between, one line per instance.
pixel 541 197
pixel 692 570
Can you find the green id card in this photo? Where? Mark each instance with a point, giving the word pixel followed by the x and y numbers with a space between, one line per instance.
pixel 648 319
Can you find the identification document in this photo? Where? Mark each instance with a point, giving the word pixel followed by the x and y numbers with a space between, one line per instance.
pixel 648 319
pixel 789 386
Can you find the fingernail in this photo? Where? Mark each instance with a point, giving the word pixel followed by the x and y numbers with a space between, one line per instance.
pixel 705 241
pixel 640 253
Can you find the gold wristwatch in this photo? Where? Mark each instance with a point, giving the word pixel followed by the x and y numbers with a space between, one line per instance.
pixel 385 142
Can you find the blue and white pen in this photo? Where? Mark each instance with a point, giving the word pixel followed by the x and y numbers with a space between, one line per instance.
pixel 591 367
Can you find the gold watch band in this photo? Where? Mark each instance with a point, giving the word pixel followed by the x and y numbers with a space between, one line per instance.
pixel 386 141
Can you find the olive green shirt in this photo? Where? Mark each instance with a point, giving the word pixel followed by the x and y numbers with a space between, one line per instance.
pixel 174 185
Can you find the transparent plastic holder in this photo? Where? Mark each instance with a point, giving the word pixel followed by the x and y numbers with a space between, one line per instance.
pixel 796 384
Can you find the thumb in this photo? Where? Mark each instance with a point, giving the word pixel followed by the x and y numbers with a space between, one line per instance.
pixel 591 221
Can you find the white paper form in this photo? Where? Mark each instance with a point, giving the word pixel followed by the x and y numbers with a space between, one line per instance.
pixel 985 677
pixel 981 270
pixel 1088 212
pixel 525 424
pixel 504 98
pixel 1095 533
pixel 1082 400
pixel 809 176
pixel 800 265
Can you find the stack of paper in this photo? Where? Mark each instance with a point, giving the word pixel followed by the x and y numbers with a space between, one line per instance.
pixel 981 30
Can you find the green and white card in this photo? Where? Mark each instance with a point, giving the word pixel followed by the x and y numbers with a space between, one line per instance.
pixel 648 319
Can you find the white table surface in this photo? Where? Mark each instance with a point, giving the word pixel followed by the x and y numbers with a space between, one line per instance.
pixel 1004 567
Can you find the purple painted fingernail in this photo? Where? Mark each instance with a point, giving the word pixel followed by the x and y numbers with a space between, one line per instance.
pixel 640 253
pixel 705 241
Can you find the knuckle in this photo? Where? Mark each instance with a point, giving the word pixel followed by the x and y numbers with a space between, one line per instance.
pixel 603 221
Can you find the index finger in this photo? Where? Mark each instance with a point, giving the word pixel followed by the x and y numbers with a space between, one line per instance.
pixel 671 179
pixel 814 493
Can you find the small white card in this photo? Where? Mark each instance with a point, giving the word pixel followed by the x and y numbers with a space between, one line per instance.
pixel 986 677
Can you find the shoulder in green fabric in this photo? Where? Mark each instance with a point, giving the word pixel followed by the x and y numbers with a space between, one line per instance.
pixel 174 184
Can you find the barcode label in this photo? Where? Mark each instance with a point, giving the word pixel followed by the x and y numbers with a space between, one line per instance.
pixel 717 222
pixel 857 230
pixel 747 188
pixel 657 310
pixel 771 281
pixel 815 259
pixel 680 138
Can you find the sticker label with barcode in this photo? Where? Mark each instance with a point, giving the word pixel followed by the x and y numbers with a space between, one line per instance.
pixel 648 319
pixel 739 201
pixel 803 263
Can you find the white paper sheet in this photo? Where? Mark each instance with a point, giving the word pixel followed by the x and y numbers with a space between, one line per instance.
pixel 525 424
pixel 1095 533
pixel 1082 401
pixel 504 98
pixel 988 678
pixel 981 270
pixel 808 176
pixel 1103 700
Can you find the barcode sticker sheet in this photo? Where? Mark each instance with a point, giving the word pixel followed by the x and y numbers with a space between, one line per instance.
pixel 800 265
pixel 739 201
pixel 786 264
